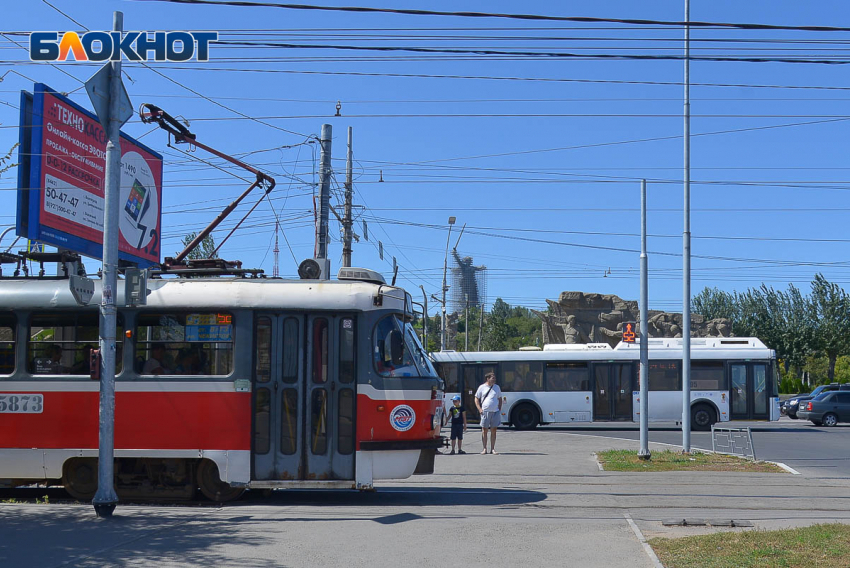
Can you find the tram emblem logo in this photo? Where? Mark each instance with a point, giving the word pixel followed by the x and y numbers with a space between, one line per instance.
pixel 402 418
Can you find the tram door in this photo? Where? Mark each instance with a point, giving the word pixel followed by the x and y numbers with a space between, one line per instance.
pixel 749 396
pixel 304 381
pixel 612 391
pixel 472 376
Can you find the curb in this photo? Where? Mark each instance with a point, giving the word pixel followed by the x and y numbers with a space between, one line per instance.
pixel 646 548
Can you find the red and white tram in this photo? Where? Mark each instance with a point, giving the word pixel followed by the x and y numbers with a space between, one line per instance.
pixel 222 383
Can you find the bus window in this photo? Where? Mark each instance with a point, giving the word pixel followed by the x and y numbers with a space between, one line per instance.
pixel 448 372
pixel 60 343
pixel 185 344
pixel 708 375
pixel 567 377
pixel 521 377
pixel 7 344
pixel 664 376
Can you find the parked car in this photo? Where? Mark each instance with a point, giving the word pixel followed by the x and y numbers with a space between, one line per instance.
pixel 827 409
pixel 792 406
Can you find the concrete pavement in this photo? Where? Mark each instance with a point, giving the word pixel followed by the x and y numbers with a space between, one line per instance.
pixel 542 500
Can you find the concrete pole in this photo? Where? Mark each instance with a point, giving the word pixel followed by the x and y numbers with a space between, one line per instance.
pixel 105 498
pixel 346 219
pixel 686 250
pixel 466 323
pixel 445 288
pixel 425 320
pixel 480 325
pixel 644 331
pixel 324 193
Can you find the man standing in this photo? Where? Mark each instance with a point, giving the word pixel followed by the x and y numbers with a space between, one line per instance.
pixel 488 399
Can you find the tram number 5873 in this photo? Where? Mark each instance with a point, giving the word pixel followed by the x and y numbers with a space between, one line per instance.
pixel 21 403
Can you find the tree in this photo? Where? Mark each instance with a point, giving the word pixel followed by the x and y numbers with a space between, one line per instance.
pixel 206 248
pixel 497 333
pixel 830 309
pixel 714 303
pixel 5 166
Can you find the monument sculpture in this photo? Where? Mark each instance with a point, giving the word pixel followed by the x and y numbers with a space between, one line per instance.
pixel 578 317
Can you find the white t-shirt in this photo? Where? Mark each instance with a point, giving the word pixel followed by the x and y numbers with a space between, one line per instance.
pixel 491 403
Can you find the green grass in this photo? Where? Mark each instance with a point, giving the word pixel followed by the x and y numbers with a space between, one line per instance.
pixel 627 460
pixel 818 546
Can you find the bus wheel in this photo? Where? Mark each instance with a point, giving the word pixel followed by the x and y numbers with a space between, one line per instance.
pixel 79 476
pixel 525 417
pixel 212 486
pixel 702 417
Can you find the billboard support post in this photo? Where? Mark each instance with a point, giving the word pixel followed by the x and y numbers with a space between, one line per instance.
pixel 106 499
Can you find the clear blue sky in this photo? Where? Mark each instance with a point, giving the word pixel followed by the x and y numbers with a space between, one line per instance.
pixel 779 183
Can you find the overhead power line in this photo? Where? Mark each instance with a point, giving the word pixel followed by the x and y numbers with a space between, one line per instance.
pixel 529 17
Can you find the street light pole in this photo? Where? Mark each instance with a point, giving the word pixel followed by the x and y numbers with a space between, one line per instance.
pixel 425 319
pixel 105 499
pixel 686 250
pixel 445 287
pixel 644 331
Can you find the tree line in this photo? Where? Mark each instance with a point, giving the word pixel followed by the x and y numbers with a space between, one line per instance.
pixel 806 330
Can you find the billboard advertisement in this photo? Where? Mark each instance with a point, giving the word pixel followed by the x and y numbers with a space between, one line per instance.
pixel 62 180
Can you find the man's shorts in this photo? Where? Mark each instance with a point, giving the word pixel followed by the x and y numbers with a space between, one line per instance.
pixel 457 431
pixel 491 419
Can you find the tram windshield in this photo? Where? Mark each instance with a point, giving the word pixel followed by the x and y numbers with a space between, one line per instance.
pixel 397 351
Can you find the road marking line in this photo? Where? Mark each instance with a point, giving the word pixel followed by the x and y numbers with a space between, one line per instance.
pixel 789 469
pixel 648 549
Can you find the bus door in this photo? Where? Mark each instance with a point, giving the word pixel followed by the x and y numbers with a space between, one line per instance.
pixel 303 397
pixel 472 376
pixel 749 396
pixel 612 391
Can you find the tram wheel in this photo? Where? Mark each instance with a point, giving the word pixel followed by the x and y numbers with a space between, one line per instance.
pixel 79 476
pixel 213 487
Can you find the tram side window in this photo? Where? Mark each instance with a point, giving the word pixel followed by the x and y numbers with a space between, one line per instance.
pixel 708 375
pixel 346 350
pixel 521 376
pixel 567 377
pixel 184 344
pixel 448 372
pixel 664 376
pixel 61 343
pixel 7 344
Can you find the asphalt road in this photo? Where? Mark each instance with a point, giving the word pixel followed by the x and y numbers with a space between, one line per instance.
pixel 542 501
pixel 816 451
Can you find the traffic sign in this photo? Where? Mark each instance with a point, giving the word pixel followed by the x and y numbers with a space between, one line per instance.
pixel 98 89
pixel 629 334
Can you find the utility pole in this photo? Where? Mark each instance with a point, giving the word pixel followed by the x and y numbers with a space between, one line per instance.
pixel 445 287
pixel 346 218
pixel 686 252
pixel 480 325
pixel 324 197
pixel 425 320
pixel 644 331
pixel 466 323
pixel 105 499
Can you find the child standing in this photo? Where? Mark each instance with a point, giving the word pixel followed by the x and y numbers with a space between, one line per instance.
pixel 458 416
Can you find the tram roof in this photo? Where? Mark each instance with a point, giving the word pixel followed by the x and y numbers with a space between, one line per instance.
pixel 212 293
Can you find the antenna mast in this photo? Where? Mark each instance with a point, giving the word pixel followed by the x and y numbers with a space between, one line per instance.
pixel 276 270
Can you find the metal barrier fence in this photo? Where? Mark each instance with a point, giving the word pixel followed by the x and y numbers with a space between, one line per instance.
pixel 733 441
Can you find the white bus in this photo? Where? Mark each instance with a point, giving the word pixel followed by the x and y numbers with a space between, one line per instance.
pixel 732 378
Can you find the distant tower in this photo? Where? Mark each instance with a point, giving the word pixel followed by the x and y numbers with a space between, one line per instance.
pixel 276 271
